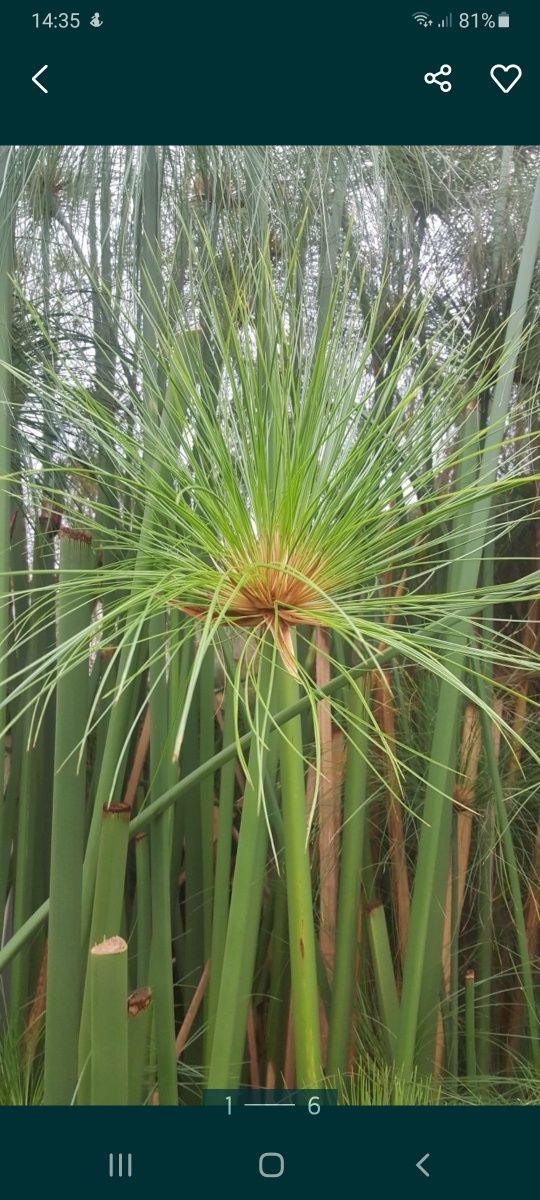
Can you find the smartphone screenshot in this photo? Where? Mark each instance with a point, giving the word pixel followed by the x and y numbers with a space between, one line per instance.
pixel 269 601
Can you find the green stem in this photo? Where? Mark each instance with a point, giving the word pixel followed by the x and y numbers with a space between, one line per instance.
pixel 161 974
pixel 452 1023
pixel 485 938
pixel 35 789
pixel 106 916
pixel 352 855
pixel 109 1034
pixel 64 963
pixel 305 994
pixel 206 803
pixel 223 870
pixel 385 980
pixel 162 771
pixel 486 840
pixel 470 1026
pixel 110 782
pixel 192 959
pixel 227 1050
pixel 279 985
pixel 143 902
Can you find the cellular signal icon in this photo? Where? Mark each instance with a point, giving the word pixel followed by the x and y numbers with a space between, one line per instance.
pixel 446 22
pixel 422 18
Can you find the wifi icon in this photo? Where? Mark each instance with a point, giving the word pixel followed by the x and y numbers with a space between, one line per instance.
pixel 422 18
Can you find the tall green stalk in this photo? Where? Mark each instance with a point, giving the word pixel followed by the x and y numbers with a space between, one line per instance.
pixel 143 930
pixel 385 980
pixel 470 1026
pixel 162 773
pixel 161 976
pixel 192 956
pixel 278 986
pixel 32 838
pixel 483 985
pixel 227 1050
pixel 109 1022
pixel 486 841
pixel 206 802
pixel 305 993
pixel 64 961
pixel 106 916
pixel 222 872
pixel 352 855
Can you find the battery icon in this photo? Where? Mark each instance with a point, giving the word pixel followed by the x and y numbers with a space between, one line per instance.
pixel 503 20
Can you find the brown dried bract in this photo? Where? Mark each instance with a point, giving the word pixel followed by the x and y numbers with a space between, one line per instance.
pixel 275 593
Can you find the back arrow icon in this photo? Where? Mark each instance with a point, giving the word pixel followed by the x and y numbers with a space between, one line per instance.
pixel 35 79
pixel 421 1168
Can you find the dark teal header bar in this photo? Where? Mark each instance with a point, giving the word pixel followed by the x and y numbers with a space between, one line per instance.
pixel 150 72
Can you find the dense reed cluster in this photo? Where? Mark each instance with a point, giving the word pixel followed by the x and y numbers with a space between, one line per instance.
pixel 268 637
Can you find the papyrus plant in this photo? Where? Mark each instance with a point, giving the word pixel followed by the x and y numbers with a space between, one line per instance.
pixel 271 479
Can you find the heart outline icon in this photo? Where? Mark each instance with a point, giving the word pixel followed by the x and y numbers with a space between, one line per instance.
pixel 510 67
